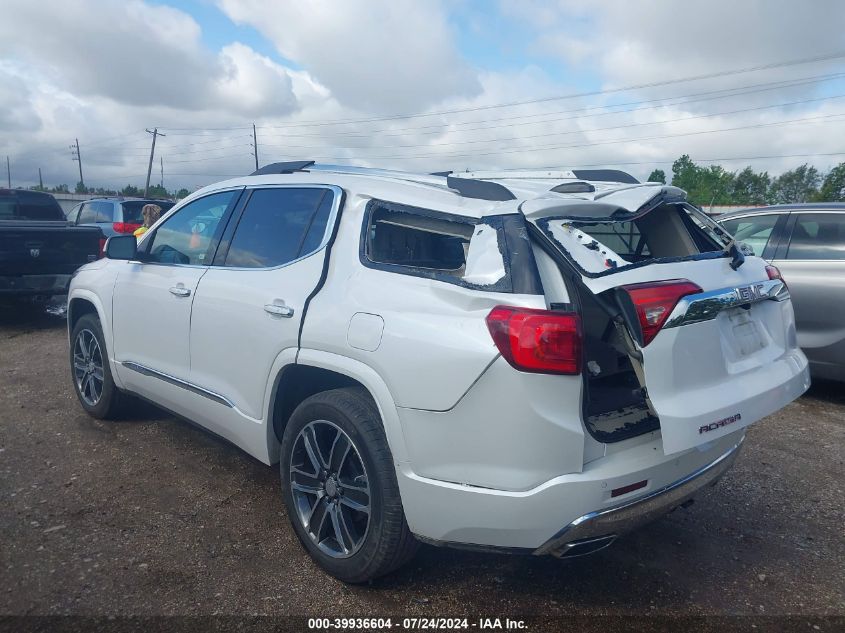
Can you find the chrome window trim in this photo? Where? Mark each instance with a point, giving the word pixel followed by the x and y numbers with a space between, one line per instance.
pixel 189 386
pixel 704 306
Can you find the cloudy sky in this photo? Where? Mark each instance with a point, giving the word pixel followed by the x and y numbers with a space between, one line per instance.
pixel 416 84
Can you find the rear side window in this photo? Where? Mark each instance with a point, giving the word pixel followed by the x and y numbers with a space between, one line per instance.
pixel 280 225
pixel 817 236
pixel 96 212
pixel 475 253
pixel 754 230
pixel 417 241
pixel 29 205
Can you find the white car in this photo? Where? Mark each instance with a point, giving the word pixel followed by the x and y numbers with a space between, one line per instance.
pixel 522 361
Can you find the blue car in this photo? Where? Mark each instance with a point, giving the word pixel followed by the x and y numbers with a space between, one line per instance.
pixel 114 216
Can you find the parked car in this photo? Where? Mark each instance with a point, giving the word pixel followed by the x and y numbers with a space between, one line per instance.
pixel 38 250
pixel 522 361
pixel 807 243
pixel 114 216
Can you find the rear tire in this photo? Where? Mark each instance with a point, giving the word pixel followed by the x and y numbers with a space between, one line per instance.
pixel 91 372
pixel 335 461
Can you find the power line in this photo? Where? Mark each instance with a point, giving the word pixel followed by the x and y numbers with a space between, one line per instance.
pixel 592 93
pixel 581 131
pixel 680 100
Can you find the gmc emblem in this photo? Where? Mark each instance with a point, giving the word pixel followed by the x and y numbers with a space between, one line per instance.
pixel 750 293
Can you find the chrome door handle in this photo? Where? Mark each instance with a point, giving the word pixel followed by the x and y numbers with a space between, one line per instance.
pixel 180 291
pixel 278 310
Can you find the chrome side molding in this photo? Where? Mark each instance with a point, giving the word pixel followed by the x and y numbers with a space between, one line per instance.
pixel 706 305
pixel 147 371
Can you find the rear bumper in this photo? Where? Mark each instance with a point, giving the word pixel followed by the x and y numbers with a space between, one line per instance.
pixel 455 514
pixel 595 530
pixel 25 285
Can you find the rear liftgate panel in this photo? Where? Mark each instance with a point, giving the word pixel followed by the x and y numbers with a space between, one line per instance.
pixel 682 331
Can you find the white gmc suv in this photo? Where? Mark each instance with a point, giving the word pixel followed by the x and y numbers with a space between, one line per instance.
pixel 524 361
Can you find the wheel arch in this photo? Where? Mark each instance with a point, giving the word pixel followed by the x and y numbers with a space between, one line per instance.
pixel 82 302
pixel 314 371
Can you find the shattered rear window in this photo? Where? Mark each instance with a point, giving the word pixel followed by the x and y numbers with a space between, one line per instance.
pixel 423 243
pixel 667 232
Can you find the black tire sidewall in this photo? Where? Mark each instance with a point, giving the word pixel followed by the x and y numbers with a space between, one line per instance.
pixel 107 403
pixel 355 568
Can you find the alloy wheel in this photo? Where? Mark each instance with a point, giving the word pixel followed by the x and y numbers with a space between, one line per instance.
pixel 88 367
pixel 330 488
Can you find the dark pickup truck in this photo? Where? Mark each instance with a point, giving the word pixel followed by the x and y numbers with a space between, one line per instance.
pixel 39 251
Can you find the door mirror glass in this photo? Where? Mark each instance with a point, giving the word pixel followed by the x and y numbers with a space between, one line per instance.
pixel 122 247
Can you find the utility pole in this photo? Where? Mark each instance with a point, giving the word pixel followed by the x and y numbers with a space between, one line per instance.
pixel 40 180
pixel 155 133
pixel 161 162
pixel 75 155
pixel 255 146
pixel 8 172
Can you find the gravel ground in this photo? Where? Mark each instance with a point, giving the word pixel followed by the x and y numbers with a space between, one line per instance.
pixel 152 516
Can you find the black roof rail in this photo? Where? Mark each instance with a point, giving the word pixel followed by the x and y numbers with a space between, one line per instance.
pixel 288 167
pixel 479 189
pixel 440 173
pixel 605 175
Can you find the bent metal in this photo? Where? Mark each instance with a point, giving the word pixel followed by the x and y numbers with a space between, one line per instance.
pixel 719 423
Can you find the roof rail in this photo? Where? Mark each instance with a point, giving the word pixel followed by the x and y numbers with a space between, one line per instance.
pixel 479 189
pixel 288 167
pixel 605 175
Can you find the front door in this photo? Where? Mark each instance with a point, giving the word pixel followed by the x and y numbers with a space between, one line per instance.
pixel 153 296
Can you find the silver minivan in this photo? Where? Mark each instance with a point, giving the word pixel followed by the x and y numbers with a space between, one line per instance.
pixel 807 243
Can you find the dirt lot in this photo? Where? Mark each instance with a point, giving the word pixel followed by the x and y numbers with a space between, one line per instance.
pixel 151 516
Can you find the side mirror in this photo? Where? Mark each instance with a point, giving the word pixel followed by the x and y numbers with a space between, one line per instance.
pixel 122 247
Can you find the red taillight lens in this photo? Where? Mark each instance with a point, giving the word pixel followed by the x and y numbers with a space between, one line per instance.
pixel 655 301
pixel 102 252
pixel 125 227
pixel 539 341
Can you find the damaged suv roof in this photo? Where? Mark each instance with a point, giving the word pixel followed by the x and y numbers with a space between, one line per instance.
pixel 536 193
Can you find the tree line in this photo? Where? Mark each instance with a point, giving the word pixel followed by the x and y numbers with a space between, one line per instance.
pixel 129 191
pixel 714 185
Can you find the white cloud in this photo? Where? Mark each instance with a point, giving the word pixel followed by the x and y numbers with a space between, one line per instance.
pixel 374 55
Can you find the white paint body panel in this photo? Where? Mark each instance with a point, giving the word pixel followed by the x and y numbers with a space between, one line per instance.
pixel 484 454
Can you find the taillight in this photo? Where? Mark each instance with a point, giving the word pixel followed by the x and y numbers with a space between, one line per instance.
pixel 125 227
pixel 102 251
pixel 539 341
pixel 654 302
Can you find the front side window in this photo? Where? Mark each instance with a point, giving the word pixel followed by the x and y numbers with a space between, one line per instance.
pixel 818 236
pixel 754 230
pixel 279 226
pixel 186 237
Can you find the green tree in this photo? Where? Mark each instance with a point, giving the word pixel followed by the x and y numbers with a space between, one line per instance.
pixel 796 185
pixel 130 190
pixel 182 193
pixel 658 175
pixel 705 186
pixel 157 191
pixel 750 187
pixel 833 187
pixel 81 188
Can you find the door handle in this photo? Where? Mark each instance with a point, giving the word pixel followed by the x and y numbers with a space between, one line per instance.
pixel 278 310
pixel 180 291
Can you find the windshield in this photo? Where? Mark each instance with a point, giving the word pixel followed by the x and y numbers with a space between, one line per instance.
pixel 132 209
pixel 29 205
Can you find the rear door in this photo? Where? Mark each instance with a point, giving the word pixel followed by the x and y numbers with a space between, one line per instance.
pixel 249 305
pixel 812 260
pixel 716 345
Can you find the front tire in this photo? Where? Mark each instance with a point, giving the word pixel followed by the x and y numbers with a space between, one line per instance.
pixel 90 370
pixel 339 486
